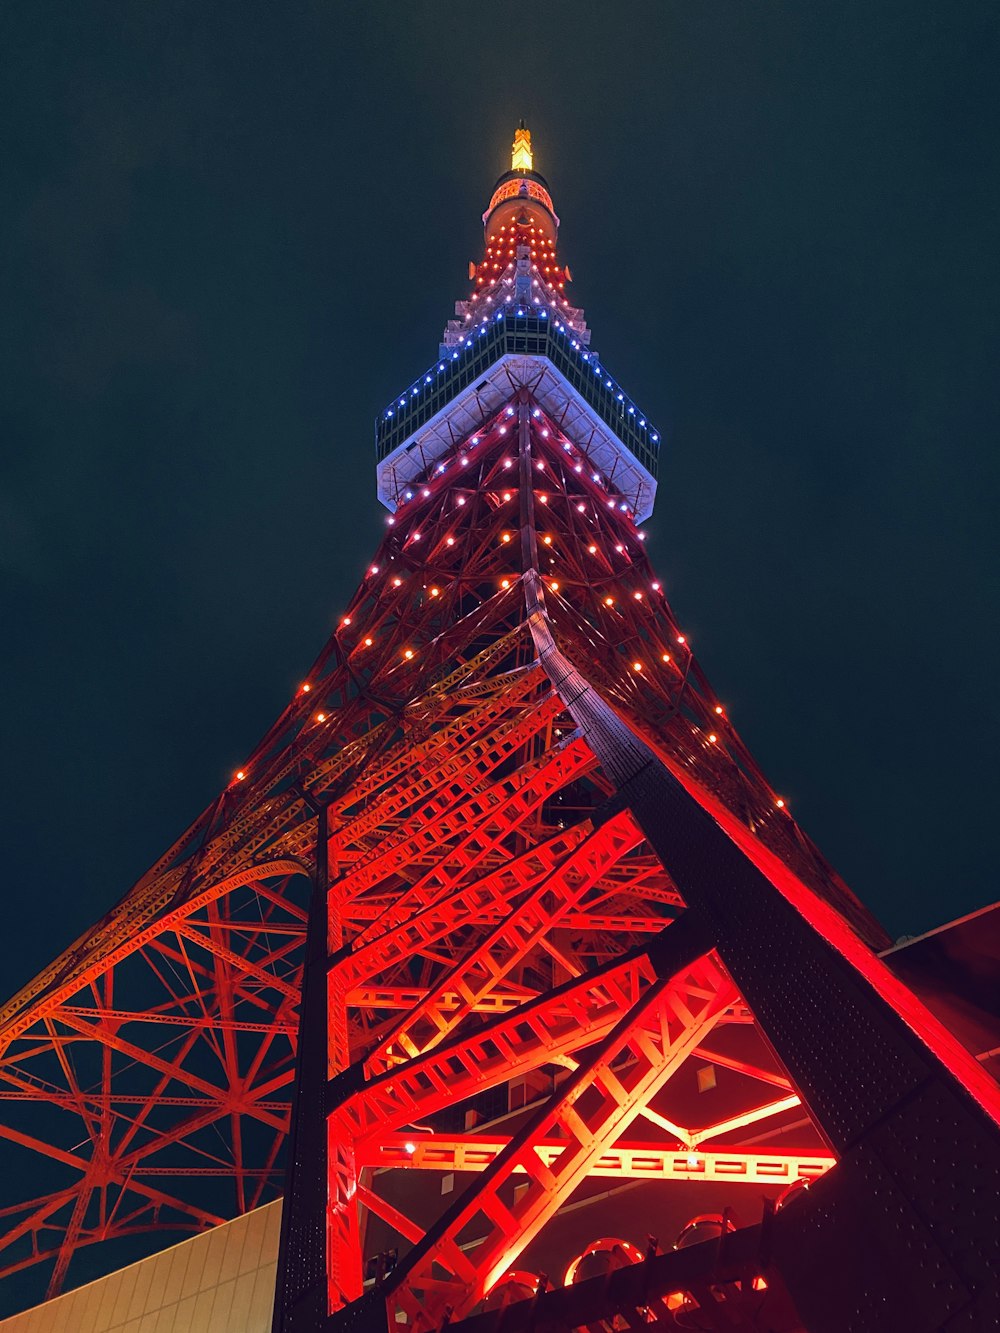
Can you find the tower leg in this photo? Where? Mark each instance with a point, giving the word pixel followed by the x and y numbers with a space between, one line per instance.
pixel 904 1232
pixel 300 1298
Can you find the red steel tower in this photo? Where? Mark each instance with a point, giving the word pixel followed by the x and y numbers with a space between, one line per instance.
pixel 573 982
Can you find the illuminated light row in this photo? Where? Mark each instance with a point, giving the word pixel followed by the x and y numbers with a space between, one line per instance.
pixel 467 344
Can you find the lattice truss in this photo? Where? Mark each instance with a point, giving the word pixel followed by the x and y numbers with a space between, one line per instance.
pixel 497 923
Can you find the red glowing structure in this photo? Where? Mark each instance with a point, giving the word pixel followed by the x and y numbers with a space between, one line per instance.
pixel 572 972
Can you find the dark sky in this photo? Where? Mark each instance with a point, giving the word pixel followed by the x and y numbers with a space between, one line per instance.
pixel 231 232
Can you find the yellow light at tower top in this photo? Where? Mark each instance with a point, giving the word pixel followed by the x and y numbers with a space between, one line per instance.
pixel 520 158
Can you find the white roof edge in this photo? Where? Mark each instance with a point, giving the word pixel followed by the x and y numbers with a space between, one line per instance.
pixel 467 411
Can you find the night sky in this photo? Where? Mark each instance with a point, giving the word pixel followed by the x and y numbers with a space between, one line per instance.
pixel 231 232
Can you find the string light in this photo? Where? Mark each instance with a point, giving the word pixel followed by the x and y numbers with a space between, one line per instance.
pixel 320 717
pixel 305 687
pixel 240 775
pixel 636 666
pixel 368 643
pixel 780 803
pixel 408 653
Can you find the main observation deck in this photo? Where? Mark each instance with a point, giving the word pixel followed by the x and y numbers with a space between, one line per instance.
pixel 518 347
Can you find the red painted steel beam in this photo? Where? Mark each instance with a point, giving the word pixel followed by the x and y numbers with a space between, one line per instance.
pixel 658 1033
pixel 625 1160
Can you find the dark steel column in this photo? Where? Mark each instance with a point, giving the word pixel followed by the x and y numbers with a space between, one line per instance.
pixel 904 1233
pixel 300 1290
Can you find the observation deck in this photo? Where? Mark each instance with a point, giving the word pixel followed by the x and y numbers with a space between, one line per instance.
pixel 518 347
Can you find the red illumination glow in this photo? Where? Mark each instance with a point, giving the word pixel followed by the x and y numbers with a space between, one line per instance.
pixel 502 914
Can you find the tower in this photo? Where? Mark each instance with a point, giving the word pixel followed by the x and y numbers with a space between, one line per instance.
pixel 571 976
pixel 561 897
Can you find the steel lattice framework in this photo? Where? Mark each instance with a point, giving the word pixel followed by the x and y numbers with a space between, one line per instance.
pixel 508 850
